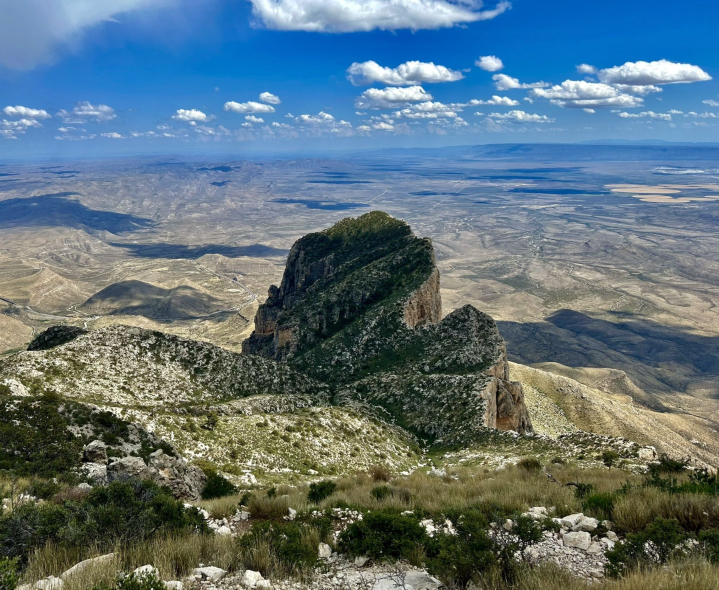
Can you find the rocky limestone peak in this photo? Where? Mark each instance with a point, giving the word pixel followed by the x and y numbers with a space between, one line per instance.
pixel 359 308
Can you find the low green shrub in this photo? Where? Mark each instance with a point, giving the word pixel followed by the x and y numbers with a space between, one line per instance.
pixel 380 493
pixel 610 458
pixel 135 582
pixel 654 545
pixel 385 534
pixel 709 540
pixel 43 489
pixel 599 505
pixel 217 486
pixel 122 512
pixel 456 559
pixel 8 573
pixel 321 490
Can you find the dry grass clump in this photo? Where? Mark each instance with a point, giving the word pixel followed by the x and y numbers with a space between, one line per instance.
pixel 636 510
pixel 174 556
pixel 380 473
pixel 221 507
pixel 177 556
pixel 266 508
pixel 52 560
pixel 689 575
pixel 514 489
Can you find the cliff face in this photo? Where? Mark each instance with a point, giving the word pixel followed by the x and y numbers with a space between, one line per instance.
pixel 359 308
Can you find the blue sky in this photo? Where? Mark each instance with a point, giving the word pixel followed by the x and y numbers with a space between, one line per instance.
pixel 104 77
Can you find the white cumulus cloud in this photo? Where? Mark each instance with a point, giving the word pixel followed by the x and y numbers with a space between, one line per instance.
pixel 270 98
pixel 391 97
pixel 100 112
pixel 643 73
pixel 711 103
pixel 583 94
pixel 647 115
pixel 489 63
pixel 406 74
pixel 321 118
pixel 504 82
pixel 253 119
pixel 85 111
pixel 28 113
pixel 191 116
pixel 347 16
pixel 586 69
pixel 520 117
pixel 111 135
pixel 501 101
pixel 248 107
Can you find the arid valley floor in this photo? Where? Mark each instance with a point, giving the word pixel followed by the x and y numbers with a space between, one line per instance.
pixel 599 263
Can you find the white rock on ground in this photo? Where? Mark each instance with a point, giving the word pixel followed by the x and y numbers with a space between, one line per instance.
pixel 587 524
pixel 580 540
pixel 83 565
pixel 572 520
pixel 291 514
pixel 421 580
pixel 250 579
pixel 324 551
pixel 174 585
pixel 211 573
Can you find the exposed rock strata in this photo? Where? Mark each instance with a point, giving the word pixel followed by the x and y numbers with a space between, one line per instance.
pixel 359 308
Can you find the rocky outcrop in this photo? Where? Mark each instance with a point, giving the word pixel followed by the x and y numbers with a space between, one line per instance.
pixel 425 304
pixel 183 480
pixel 359 308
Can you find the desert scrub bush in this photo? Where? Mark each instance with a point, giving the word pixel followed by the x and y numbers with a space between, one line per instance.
pixel 134 582
pixel 380 473
pixel 599 505
pixel 288 548
pixel 530 464
pixel 660 541
pixel 121 512
pixel 709 540
pixel 385 534
pixel 457 559
pixel 217 486
pixel 8 573
pixel 36 439
pixel 321 490
pixel 384 492
pixel 43 489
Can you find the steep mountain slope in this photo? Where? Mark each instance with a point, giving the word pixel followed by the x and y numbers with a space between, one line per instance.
pixel 359 307
pixel 601 405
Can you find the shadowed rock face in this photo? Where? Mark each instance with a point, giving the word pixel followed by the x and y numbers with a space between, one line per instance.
pixel 55 336
pixel 359 308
